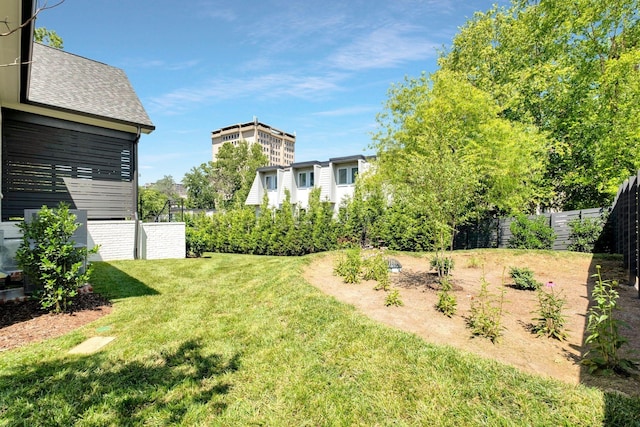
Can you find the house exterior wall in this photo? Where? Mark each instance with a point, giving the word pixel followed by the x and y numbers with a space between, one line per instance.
pixel 325 178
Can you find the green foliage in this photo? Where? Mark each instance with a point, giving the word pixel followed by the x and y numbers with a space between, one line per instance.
pixel 198 231
pixel 226 182
pixel 348 266
pixel 50 259
pixel 550 320
pixel 531 233
pixel 569 69
pixel 376 267
pixel 523 278
pixel 151 203
pixel 486 313
pixel 604 339
pixel 444 145
pixel 447 302
pixel 442 265
pixel 167 186
pixel 585 233
pixel 48 37
pixel 393 299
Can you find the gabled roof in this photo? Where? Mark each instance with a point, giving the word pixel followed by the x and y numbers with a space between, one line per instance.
pixel 69 82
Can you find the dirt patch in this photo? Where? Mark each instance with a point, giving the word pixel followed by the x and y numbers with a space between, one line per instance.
pixel 22 323
pixel 517 346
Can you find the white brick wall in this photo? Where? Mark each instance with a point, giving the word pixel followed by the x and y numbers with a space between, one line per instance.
pixel 159 240
pixel 114 237
pixel 162 240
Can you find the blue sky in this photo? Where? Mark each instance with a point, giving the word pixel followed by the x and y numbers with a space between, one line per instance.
pixel 320 69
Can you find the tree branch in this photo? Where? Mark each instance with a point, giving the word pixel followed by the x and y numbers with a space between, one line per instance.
pixel 28 21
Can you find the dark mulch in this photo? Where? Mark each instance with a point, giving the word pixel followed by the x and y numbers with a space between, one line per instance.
pixel 17 312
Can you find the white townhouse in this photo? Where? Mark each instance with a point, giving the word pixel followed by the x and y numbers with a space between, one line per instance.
pixel 336 179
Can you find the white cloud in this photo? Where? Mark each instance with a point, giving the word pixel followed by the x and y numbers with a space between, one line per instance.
pixel 347 111
pixel 265 86
pixel 387 47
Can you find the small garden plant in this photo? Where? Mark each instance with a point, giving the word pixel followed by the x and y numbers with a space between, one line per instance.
pixel 393 299
pixel 523 278
pixel 50 259
pixel 376 267
pixel 604 339
pixel 443 265
pixel 486 313
pixel 447 303
pixel 550 320
pixel 349 265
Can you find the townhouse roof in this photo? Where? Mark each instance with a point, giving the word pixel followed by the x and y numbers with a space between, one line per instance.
pixel 62 80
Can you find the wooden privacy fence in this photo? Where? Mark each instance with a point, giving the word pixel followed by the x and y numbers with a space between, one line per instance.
pixel 625 221
pixel 495 233
pixel 620 234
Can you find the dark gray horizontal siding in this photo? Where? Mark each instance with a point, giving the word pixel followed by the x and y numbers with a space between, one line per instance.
pixel 46 161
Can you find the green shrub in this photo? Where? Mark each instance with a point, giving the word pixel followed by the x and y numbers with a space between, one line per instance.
pixel 584 233
pixel 604 339
pixel 198 234
pixel 531 233
pixel 550 321
pixel 393 299
pixel 442 265
pixel 447 303
pixel 348 266
pixel 486 313
pixel 51 260
pixel 376 267
pixel 523 278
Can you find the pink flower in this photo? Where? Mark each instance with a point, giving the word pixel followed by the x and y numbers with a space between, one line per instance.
pixel 550 284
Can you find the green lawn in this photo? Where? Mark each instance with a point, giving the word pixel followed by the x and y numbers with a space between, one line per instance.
pixel 244 340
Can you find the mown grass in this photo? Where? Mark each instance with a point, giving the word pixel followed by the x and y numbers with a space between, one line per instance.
pixel 244 340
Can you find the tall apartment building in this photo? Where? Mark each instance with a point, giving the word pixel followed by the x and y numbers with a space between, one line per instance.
pixel 278 146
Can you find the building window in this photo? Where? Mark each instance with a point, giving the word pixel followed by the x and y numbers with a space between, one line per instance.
pixel 305 179
pixel 271 182
pixel 347 175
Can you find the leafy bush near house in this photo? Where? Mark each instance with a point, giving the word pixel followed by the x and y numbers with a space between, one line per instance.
pixel 50 259
pixel 376 267
pixel 585 233
pixel 523 278
pixel 531 233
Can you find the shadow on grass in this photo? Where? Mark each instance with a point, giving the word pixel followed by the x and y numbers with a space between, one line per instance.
pixel 101 391
pixel 619 409
pixel 114 283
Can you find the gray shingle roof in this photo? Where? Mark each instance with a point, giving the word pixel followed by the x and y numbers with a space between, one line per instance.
pixel 63 80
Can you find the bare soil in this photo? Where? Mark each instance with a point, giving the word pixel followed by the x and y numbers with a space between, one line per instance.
pixel 24 322
pixel 517 346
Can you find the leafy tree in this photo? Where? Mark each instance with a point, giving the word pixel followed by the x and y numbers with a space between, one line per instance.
pixel 570 69
pixel 167 186
pixel 447 154
pixel 48 37
pixel 227 181
pixel 151 203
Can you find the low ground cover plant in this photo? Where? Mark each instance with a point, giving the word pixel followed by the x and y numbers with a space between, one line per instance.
pixel 349 265
pixel 523 278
